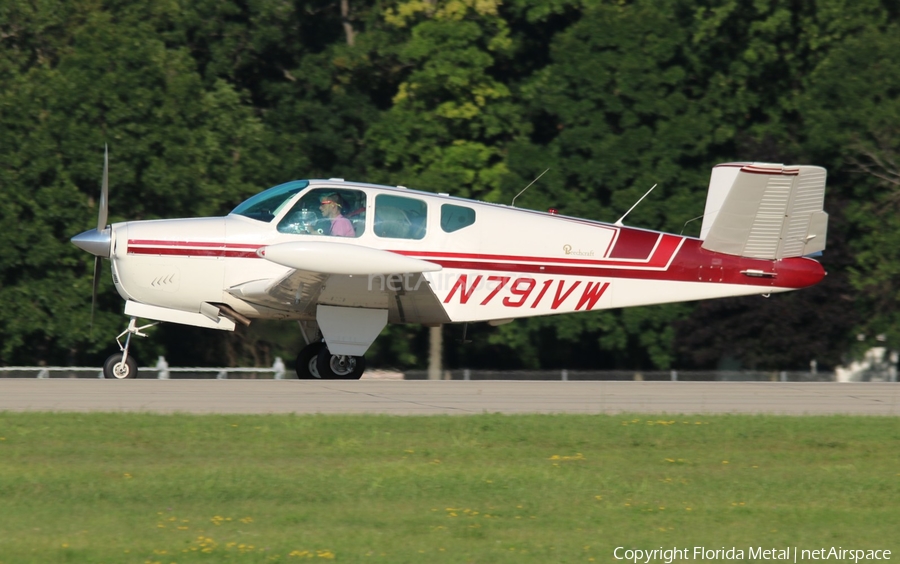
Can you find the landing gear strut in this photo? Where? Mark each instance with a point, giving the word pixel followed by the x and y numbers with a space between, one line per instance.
pixel 316 362
pixel 120 366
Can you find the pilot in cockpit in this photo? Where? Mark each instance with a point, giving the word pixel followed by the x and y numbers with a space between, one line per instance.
pixel 332 206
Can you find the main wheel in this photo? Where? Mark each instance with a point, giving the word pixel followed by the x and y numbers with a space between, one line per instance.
pixel 340 366
pixel 306 361
pixel 115 369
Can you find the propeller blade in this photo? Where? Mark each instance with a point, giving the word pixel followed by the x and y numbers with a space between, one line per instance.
pixel 95 284
pixel 104 193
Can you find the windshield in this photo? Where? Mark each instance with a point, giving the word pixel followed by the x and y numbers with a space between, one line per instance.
pixel 266 205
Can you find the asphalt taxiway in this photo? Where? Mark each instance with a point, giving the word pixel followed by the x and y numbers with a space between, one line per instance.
pixel 448 397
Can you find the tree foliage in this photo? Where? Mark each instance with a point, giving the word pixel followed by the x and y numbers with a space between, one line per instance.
pixel 853 100
pixel 205 103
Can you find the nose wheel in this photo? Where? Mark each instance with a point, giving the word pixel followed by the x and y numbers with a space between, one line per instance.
pixel 121 365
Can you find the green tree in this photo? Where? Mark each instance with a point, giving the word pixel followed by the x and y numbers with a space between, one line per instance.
pixel 450 117
pixel 178 148
pixel 642 93
pixel 852 107
pixel 451 114
pixel 205 103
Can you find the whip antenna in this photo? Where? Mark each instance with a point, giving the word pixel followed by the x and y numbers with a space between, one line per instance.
pixel 688 221
pixel 619 223
pixel 527 187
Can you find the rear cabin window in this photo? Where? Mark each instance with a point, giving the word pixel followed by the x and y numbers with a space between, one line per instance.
pixel 454 218
pixel 326 211
pixel 399 217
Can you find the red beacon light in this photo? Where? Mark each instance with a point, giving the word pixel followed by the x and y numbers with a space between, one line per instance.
pixel 552 211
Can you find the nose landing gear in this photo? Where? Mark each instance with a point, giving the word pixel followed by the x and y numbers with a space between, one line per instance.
pixel 120 366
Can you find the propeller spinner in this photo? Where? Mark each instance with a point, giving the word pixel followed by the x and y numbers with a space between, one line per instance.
pixel 98 241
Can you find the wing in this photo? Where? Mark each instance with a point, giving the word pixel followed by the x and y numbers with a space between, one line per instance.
pixel 346 275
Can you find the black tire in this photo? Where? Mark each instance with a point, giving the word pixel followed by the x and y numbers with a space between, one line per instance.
pixel 115 369
pixel 307 360
pixel 340 367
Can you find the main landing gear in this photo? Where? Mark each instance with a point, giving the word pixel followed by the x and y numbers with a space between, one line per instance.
pixel 315 361
pixel 120 365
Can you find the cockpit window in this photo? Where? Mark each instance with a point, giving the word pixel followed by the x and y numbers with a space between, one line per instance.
pixel 336 212
pixel 266 205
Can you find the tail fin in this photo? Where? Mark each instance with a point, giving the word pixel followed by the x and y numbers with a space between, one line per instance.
pixel 765 211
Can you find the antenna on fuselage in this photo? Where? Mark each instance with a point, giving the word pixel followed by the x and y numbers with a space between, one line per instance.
pixel 688 221
pixel 464 341
pixel 513 204
pixel 619 223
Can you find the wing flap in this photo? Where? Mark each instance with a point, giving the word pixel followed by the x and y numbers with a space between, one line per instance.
pixel 408 297
pixel 295 291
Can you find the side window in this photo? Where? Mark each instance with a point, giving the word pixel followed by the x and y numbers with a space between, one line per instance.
pixel 327 211
pixel 454 218
pixel 399 217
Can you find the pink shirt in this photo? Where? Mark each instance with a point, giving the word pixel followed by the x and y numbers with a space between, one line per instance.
pixel 341 227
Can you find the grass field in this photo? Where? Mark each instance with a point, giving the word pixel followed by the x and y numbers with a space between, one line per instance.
pixel 490 488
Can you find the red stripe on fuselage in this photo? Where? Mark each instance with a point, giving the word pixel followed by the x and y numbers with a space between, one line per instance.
pixel 691 264
pixel 162 243
pixel 674 258
pixel 634 244
pixel 192 248
pixel 191 252
pixel 660 259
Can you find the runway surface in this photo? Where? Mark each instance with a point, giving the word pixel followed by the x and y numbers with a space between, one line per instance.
pixel 447 397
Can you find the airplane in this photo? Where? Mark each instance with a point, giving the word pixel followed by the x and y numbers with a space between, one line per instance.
pixel 343 259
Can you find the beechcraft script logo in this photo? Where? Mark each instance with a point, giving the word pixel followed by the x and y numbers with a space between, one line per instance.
pixel 567 249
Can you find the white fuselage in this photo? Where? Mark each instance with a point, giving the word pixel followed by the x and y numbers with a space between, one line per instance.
pixel 507 263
